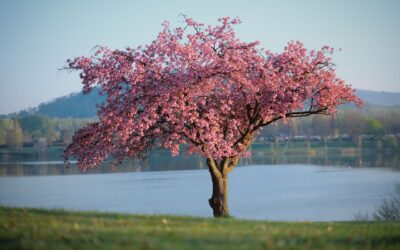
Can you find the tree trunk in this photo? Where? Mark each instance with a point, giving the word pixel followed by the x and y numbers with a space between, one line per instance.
pixel 219 198
pixel 219 176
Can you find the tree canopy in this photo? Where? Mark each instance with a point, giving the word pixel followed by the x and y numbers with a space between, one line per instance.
pixel 201 86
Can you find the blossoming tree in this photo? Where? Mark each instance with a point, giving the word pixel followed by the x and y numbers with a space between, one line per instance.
pixel 202 87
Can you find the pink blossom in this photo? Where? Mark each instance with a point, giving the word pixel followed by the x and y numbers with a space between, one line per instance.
pixel 211 91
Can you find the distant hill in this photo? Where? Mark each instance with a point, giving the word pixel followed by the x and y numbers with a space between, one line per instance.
pixel 75 105
pixel 380 98
pixel 78 105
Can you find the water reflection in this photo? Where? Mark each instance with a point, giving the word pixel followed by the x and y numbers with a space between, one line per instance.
pixel 29 162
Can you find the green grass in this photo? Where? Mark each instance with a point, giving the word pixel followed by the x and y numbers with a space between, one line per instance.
pixel 58 229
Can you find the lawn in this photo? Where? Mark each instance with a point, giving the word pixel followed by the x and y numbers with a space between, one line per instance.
pixel 58 229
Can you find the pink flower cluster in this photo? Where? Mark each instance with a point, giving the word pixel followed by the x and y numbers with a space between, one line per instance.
pixel 200 86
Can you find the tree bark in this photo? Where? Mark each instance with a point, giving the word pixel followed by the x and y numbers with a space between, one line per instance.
pixel 219 177
pixel 219 199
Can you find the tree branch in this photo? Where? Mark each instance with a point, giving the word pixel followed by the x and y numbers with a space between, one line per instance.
pixel 234 161
pixel 213 167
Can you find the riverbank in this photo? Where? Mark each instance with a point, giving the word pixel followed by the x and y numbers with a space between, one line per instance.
pixel 58 229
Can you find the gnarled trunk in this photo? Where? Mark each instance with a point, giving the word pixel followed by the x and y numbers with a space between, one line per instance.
pixel 219 172
pixel 219 176
pixel 219 198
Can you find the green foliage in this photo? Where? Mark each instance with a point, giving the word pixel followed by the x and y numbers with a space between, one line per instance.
pixel 33 127
pixel 374 127
pixel 15 136
pixel 377 122
pixel 5 125
pixel 55 229
pixel 36 123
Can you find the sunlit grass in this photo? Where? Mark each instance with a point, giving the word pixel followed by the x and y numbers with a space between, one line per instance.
pixel 57 229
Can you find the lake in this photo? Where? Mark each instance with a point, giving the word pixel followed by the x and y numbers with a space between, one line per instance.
pixel 330 192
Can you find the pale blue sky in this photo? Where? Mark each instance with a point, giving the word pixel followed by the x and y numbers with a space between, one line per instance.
pixel 36 37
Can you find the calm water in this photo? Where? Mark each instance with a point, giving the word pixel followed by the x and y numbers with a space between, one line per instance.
pixel 274 192
pixel 325 186
pixel 28 162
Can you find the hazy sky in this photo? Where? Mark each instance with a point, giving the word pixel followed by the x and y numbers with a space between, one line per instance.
pixel 36 37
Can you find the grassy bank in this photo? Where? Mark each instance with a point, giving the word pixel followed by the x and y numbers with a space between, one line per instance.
pixel 55 229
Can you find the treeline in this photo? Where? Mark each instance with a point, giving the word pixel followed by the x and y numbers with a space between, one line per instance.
pixel 372 123
pixel 38 130
pixel 42 131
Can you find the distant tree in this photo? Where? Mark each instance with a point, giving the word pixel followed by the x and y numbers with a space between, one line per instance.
pixel 352 122
pixel 200 86
pixel 15 136
pixel 5 125
pixel 390 120
pixel 374 127
pixel 321 126
pixel 36 123
pixel 51 136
